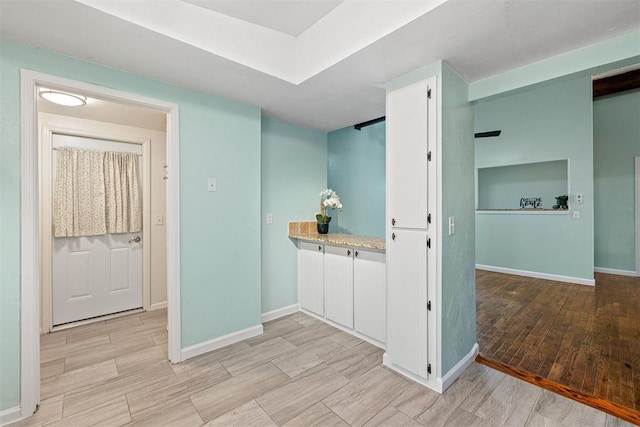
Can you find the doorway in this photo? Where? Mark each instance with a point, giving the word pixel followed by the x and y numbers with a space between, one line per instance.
pixel 31 259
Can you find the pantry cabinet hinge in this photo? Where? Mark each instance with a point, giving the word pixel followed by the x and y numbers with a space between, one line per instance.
pixel 429 243
pixel 428 368
pixel 429 305
pixel 429 93
pixel 429 156
pixel 428 218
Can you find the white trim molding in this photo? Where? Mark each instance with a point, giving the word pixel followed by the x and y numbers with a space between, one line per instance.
pixel 10 415
pixel 616 271
pixel 216 343
pixel 537 275
pixel 456 371
pixel 637 185
pixel 280 312
pixel 30 239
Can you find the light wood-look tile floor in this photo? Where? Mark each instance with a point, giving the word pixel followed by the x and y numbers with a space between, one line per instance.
pixel 300 372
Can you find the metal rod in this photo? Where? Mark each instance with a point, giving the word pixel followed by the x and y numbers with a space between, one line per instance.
pixel 369 123
pixel 488 134
pixel 106 151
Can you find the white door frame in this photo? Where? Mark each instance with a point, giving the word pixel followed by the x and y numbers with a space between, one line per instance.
pixel 30 219
pixel 637 162
pixel 46 214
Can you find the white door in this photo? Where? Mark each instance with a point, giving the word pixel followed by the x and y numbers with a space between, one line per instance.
pixel 310 265
pixel 410 125
pixel 407 300
pixel 97 275
pixel 338 285
pixel 370 294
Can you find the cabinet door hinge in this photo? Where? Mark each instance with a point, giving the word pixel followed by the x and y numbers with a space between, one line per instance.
pixel 429 93
pixel 428 218
pixel 428 368
pixel 429 305
pixel 429 242
pixel 429 156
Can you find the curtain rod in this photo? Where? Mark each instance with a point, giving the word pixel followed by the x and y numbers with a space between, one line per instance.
pixel 369 123
pixel 105 151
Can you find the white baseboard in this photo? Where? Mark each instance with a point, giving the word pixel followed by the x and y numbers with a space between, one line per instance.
pixel 535 274
pixel 432 384
pixel 157 306
pixel 614 271
pixel 281 312
pixel 10 415
pixel 207 346
pixel 456 371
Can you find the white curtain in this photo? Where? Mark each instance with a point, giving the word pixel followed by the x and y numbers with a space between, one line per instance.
pixel 96 193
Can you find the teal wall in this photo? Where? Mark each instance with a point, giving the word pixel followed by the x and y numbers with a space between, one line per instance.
pixel 356 171
pixel 220 232
pixel 294 171
pixel 502 187
pixel 616 141
pixel 458 200
pixel 545 123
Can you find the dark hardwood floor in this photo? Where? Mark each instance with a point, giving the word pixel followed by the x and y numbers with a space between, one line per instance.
pixel 586 339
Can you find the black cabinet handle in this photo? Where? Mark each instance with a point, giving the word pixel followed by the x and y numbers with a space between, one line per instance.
pixel 356 254
pixel 348 252
pixel 319 247
pixel 393 221
pixel 393 236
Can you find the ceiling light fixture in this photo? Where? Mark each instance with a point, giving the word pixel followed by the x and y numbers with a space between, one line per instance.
pixel 63 98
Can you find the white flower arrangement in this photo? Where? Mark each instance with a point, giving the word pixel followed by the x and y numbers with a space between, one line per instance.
pixel 329 199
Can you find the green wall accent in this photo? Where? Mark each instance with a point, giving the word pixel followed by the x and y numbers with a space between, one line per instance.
pixel 356 171
pixel 616 141
pixel 294 171
pixel 622 48
pixel 458 200
pixel 502 187
pixel 220 232
pixel 545 123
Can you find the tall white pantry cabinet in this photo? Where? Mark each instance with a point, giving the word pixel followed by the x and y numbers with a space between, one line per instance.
pixel 416 317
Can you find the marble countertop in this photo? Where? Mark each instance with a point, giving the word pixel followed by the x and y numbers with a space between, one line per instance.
pixel 351 240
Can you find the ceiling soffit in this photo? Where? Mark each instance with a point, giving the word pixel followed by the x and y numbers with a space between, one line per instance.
pixel 343 31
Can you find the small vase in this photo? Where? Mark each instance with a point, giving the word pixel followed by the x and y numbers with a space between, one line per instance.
pixel 323 228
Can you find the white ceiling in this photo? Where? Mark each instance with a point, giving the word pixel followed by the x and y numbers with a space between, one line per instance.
pixel 331 74
pixel 291 17
pixel 110 112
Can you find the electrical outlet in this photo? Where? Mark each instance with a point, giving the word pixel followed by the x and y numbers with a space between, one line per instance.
pixel 269 219
pixel 579 198
pixel 158 220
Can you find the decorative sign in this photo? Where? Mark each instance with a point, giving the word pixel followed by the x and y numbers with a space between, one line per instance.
pixel 531 202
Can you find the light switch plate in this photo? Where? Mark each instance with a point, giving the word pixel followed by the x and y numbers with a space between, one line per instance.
pixel 212 184
pixel 269 219
pixel 158 220
pixel 452 225
pixel 575 214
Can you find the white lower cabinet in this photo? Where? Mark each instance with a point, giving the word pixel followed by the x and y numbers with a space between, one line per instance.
pixel 338 285
pixel 346 286
pixel 311 276
pixel 407 301
pixel 370 294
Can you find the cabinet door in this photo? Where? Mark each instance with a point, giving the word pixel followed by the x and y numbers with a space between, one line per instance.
pixel 370 294
pixel 407 300
pixel 338 285
pixel 410 127
pixel 311 276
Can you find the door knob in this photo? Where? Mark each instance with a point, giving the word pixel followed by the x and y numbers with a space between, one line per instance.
pixel 135 239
